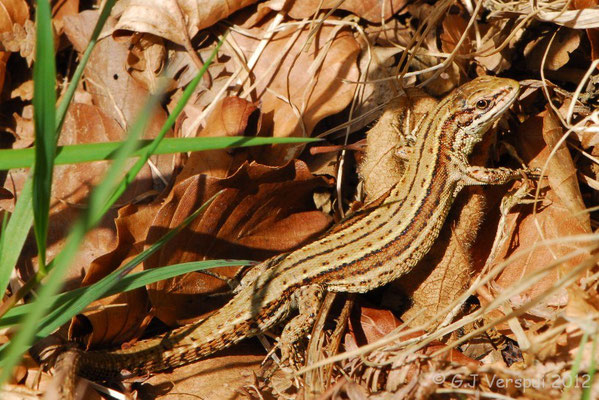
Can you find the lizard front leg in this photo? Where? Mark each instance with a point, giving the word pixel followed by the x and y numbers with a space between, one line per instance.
pixel 494 176
pixel 307 300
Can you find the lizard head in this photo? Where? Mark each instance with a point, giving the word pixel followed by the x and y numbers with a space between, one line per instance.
pixel 479 103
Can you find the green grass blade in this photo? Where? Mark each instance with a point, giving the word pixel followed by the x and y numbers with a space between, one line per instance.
pixel 587 380
pixel 44 103
pixel 79 153
pixel 15 233
pixel 575 365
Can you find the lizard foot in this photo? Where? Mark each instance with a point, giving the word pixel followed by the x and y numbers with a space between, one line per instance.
pixel 307 300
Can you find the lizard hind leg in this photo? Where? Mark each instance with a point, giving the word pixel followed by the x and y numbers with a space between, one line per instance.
pixel 307 300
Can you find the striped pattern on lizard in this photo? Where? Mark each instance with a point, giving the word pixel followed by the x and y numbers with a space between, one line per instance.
pixel 370 248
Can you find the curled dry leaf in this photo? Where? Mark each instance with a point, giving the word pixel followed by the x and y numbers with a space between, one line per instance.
pixel 492 36
pixel 175 20
pixel 592 33
pixel 61 9
pixel 454 27
pixel 255 217
pixel 24 133
pixel 586 18
pixel 146 60
pixel 13 12
pixel 299 79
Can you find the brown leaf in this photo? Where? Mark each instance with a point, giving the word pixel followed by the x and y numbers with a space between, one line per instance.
pixel 116 319
pixel 565 42
pixel 253 218
pixel 592 33
pixel 299 87
pixel 367 325
pixel 61 9
pixel 220 377
pixel 13 15
pixel 146 60
pixel 229 118
pixel 13 12
pixel 114 91
pixel 175 20
pixel 370 10
pixel 24 131
pixel 557 216
pixel 454 27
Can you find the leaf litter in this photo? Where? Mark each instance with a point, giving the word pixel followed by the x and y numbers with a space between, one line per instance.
pixel 523 253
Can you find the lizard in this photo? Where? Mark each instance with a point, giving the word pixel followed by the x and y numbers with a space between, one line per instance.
pixel 368 249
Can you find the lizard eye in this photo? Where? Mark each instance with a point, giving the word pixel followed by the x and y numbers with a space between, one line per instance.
pixel 482 104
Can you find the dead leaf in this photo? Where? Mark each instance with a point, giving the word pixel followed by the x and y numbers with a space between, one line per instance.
pixel 229 117
pixel 592 33
pixel 454 27
pixel 118 318
pixel 299 87
pixel 24 131
pixel 114 91
pixel 13 15
pixel 254 218
pixel 557 216
pixel 61 9
pixel 371 10
pixel 565 42
pixel 175 20
pixel 222 377
pixel 146 60
pixel 368 325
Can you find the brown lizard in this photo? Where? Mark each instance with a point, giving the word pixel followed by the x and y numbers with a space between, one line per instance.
pixel 370 248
